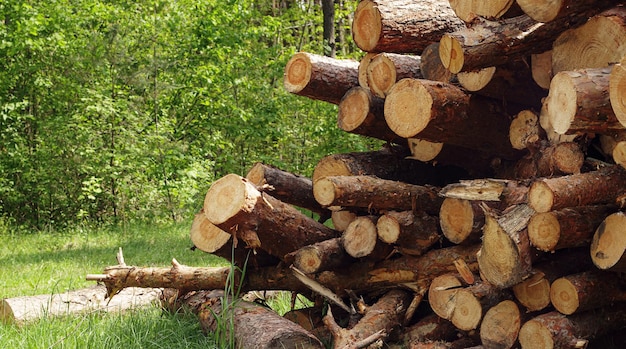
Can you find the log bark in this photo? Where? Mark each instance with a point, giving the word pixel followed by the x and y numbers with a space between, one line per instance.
pixel 430 328
pixel 597 43
pixel 602 186
pixel 506 192
pixel 440 112
pixel 617 86
pixel 501 324
pixel 468 10
pixel 555 330
pixel 381 318
pixel 375 194
pixel 549 160
pixel 22 310
pixel 411 233
pixel 237 207
pixel 462 221
pixel 362 113
pixel 461 343
pixel 534 292
pixel 321 256
pixel 566 228
pixel 506 257
pixel 320 77
pixel 253 326
pixel 287 187
pixel 386 69
pixel 492 43
pixel 402 26
pixel 546 11
pixel 578 102
pixel 588 290
pixel 431 66
pixel 608 244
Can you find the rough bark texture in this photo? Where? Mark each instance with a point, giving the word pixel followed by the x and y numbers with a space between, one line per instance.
pixel 402 26
pixel 321 256
pixel 410 232
pixel 431 328
pixel 548 160
pixel 431 66
pixel 584 291
pixel 320 77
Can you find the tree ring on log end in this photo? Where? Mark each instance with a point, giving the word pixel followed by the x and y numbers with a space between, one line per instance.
pixel 617 91
pixel 324 191
pixel 353 109
pixel 228 196
pixel 544 13
pixel 500 325
pixel 424 150
pixel 408 108
pixel 476 80
pixel 534 292
pixel 367 25
pixel 359 239
pixel 456 218
pixel 451 54
pixel 534 335
pixel 297 72
pixel 619 152
pixel 467 312
pixel 609 242
pixel 564 296
pixel 206 236
pixel 388 229
pixel 540 197
pixel 544 231
pixel 561 107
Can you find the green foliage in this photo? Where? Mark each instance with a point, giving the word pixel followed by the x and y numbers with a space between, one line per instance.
pixel 127 111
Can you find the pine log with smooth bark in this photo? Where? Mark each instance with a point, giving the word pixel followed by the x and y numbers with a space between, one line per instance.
pixel 617 90
pixel 440 112
pixel 381 318
pixel 375 194
pixel 320 77
pixel 324 255
pixel 609 243
pixel 578 102
pixel 468 10
pixel 411 233
pixel 385 69
pixel 534 292
pixel 253 326
pixel 566 228
pixel 236 206
pixel 402 26
pixel 597 43
pixel 549 10
pixel 501 324
pixel 287 187
pixel 602 186
pixel 493 43
pixel 506 256
pixel 554 330
pixel 588 290
pixel 362 113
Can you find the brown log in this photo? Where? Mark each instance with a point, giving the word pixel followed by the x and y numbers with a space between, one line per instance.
pixel 492 43
pixel 548 160
pixel 555 330
pixel 462 343
pixel 287 187
pixel 591 188
pixel 501 324
pixel 253 326
pixel 608 243
pixel 320 77
pixel 440 112
pixel 311 320
pixel 524 130
pixel 463 306
pixel 461 220
pixel 375 194
pixel 597 43
pixel 546 11
pixel 534 292
pixel 381 318
pixel 468 10
pixel 568 227
pixel 321 256
pixel 362 113
pixel 402 26
pixel 387 68
pixel 505 192
pixel 541 68
pixel 430 328
pixel 578 102
pixel 431 66
pixel 237 207
pixel 361 239
pixel 584 291
pixel 412 233
pixel 617 86
pixel 506 257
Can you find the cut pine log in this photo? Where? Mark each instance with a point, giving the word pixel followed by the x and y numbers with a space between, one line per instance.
pixel 402 26
pixel 253 326
pixel 549 160
pixel 431 66
pixel 362 113
pixel 411 233
pixel 375 194
pixel 363 64
pixel 237 207
pixel 555 330
pixel 602 186
pixel 287 187
pixel 501 324
pixel 321 256
pixel 492 43
pixel 549 10
pixel 566 228
pixel 361 239
pixel 578 102
pixel 524 130
pixel 440 112
pixel 430 328
pixel 617 91
pixel 386 68
pixel 597 43
pixel 342 218
pixel 585 291
pixel 609 243
pixel 506 192
pixel 468 10
pixel 461 220
pixel 320 77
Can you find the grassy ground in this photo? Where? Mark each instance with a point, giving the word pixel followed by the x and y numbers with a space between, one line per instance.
pixel 43 263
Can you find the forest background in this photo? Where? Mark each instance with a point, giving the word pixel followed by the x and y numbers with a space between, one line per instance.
pixel 115 112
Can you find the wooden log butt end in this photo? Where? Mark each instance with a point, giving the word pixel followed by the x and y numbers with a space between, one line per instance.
pixel 609 243
pixel 408 108
pixel 540 197
pixel 366 26
pixel 456 219
pixel 353 109
pixel 297 72
pixel 228 196
pixel 544 231
pixel 324 191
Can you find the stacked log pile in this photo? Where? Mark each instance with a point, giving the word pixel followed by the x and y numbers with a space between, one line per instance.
pixel 493 216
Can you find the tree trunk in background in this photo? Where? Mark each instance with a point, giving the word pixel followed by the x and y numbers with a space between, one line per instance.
pixel 328 10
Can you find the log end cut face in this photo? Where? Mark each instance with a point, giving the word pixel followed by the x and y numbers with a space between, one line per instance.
pixel 498 258
pixel 367 25
pixel 609 242
pixel 534 334
pixel 533 293
pixel 544 13
pixel 544 231
pixel 206 236
pixel 617 91
pixel 424 150
pixel 451 54
pixel 561 103
pixel 501 325
pixel 297 72
pixel 324 191
pixel 408 108
pixel 227 197
pixel 360 237
pixel 540 197
pixel 456 218
pixel 381 75
pixel 476 80
pixel 353 109
pixel 564 296
pixel 388 229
